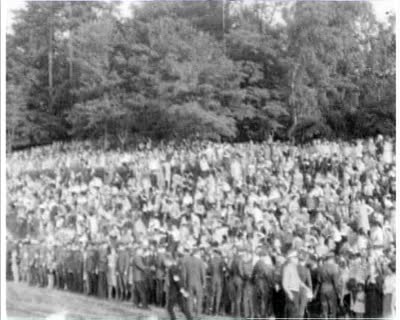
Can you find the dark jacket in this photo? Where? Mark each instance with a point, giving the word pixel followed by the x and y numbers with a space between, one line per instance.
pixel 217 269
pixel 193 272
pixel 139 269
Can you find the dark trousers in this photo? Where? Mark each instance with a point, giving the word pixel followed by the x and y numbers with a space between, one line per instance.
pixel 78 281
pixel 196 299
pixel 160 292
pixel 60 279
pixel 70 281
pixel 102 284
pixel 120 286
pixel 328 303
pixel 92 283
pixel 262 298
pixel 248 299
pixel 278 303
pixel 303 302
pixel 238 291
pixel 292 306
pixel 176 298
pixel 216 293
pixel 139 289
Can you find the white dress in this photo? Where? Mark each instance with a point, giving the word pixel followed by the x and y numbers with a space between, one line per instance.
pixel 358 305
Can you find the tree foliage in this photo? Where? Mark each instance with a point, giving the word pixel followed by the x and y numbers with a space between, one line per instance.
pixel 217 69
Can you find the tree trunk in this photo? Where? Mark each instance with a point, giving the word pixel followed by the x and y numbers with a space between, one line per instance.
pixel 50 57
pixel 223 25
pixel 292 103
pixel 70 48
pixel 105 142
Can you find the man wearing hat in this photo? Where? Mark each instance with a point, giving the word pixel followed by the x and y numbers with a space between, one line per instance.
pixel 194 277
pixel 262 276
pixel 176 293
pixel 69 267
pixel 328 286
pixel 139 276
pixel 248 286
pixel 92 257
pixel 291 284
pixel 237 272
pixel 305 276
pixel 217 279
pixel 102 270
pixel 122 271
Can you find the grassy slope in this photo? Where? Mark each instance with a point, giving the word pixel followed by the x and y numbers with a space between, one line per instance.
pixel 25 301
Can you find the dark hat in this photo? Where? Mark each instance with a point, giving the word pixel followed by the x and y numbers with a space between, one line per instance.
pixel 329 255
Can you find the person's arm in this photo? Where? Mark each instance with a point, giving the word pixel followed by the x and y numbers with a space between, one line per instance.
pixel 140 265
pixel 184 273
pixel 308 279
pixel 203 275
pixel 318 284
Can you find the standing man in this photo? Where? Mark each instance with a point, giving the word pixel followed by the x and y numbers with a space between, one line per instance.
pixel 176 294
pixel 194 276
pixel 139 277
pixel 328 280
pixel 263 278
pixel 248 287
pixel 69 267
pixel 291 285
pixel 102 271
pixel 217 280
pixel 160 276
pixel 122 271
pixel 237 270
pixel 92 260
pixel 305 277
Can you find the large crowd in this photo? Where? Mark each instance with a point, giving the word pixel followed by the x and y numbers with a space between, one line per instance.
pixel 246 230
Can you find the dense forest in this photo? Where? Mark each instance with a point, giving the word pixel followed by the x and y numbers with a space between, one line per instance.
pixel 221 70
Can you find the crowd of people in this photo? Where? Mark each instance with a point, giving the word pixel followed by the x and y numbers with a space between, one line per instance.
pixel 268 229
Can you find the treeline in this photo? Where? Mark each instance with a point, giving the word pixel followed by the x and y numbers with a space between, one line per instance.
pixel 226 70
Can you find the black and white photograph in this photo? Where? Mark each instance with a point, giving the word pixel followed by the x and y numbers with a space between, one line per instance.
pixel 203 159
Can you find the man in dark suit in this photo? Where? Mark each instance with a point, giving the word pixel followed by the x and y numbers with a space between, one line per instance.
pixel 102 271
pixel 305 277
pixel 237 272
pixel 122 272
pixel 217 280
pixel 160 276
pixel 176 293
pixel 69 267
pixel 139 270
pixel 92 259
pixel 61 254
pixel 263 278
pixel 248 287
pixel 328 278
pixel 77 269
pixel 194 277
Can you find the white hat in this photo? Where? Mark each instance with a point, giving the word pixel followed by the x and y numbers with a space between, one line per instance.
pixel 292 254
pixel 96 182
